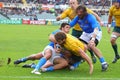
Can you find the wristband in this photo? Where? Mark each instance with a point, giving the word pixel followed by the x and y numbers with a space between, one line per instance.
pixel 93 39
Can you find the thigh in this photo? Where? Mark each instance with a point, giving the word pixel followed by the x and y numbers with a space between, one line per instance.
pixel 38 55
pixel 59 60
pixel 48 51
pixel 116 32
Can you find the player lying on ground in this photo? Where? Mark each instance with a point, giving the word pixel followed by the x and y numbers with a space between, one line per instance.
pixel 76 60
pixel 64 27
pixel 74 45
pixel 53 55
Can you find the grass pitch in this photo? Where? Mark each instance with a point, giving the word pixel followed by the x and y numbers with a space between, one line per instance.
pixel 17 41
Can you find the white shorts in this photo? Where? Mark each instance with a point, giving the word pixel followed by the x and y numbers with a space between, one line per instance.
pixel 54 54
pixel 87 36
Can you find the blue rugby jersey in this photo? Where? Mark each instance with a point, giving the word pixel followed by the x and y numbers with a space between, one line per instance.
pixel 88 23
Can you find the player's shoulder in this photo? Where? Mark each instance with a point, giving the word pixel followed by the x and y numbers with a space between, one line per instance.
pixel 112 7
pixel 88 9
pixel 90 15
pixel 68 9
pixel 54 32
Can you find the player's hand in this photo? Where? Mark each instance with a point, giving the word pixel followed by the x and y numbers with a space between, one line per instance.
pixel 101 23
pixel 91 69
pixel 58 18
pixel 91 43
pixel 108 28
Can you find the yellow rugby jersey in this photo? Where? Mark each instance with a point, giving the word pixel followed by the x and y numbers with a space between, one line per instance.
pixel 73 44
pixel 70 13
pixel 113 11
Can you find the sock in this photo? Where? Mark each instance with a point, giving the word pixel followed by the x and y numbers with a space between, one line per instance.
pixel 115 49
pixel 51 68
pixel 23 59
pixel 91 53
pixel 33 66
pixel 102 59
pixel 76 64
pixel 41 62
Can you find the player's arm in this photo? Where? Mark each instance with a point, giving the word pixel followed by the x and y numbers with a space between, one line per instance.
pixel 96 15
pixel 98 18
pixel 52 38
pixel 110 19
pixel 74 21
pixel 109 23
pixel 86 57
pixel 62 16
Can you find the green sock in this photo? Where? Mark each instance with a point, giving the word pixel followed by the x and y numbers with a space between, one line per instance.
pixel 91 52
pixel 115 49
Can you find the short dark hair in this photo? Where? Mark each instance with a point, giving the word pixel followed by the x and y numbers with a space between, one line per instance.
pixel 63 25
pixel 60 36
pixel 81 7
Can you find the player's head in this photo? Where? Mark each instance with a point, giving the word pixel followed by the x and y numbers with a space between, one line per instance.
pixel 73 4
pixel 117 3
pixel 81 11
pixel 65 27
pixel 60 37
pixel 58 48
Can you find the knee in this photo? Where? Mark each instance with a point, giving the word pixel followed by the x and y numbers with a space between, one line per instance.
pixel 65 63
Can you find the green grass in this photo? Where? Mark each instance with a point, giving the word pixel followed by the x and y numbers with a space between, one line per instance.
pixel 18 41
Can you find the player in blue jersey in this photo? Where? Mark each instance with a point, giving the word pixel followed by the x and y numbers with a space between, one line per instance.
pixel 91 32
pixel 51 54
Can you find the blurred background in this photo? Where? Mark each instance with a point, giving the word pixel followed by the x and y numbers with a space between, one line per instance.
pixel 45 11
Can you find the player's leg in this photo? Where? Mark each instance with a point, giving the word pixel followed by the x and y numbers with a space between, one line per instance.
pixel 94 60
pixel 92 45
pixel 59 63
pixel 33 65
pixel 75 61
pixel 72 60
pixel 47 55
pixel 85 39
pixel 31 57
pixel 114 37
pixel 99 55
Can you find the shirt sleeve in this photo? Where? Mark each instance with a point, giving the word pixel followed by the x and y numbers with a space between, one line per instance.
pixel 64 14
pixel 92 20
pixel 74 21
pixel 89 11
pixel 54 32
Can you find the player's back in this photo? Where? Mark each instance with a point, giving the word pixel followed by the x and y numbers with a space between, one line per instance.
pixel 73 44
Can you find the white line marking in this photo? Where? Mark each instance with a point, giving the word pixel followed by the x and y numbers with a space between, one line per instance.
pixel 70 78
